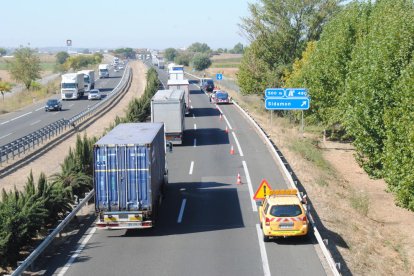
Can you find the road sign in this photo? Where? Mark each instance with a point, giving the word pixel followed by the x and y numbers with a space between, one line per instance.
pixel 286 92
pixel 219 76
pixel 287 103
pixel 262 191
pixel 69 42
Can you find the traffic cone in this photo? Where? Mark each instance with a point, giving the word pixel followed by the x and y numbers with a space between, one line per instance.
pixel 238 179
pixel 227 129
pixel 232 150
pixel 221 116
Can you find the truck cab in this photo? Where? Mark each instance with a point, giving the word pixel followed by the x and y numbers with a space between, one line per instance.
pixel 103 71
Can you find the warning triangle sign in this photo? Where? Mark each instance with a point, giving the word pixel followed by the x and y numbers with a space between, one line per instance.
pixel 262 191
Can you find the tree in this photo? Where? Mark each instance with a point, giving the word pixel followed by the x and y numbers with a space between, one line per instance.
pixel 61 57
pixel 3 52
pixel 237 49
pixel 183 58
pixel 201 61
pixel 198 47
pixel 4 87
pixel 170 54
pixel 125 53
pixel 25 67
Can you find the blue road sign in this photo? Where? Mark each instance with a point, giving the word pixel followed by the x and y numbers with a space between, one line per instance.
pixel 286 92
pixel 219 76
pixel 287 103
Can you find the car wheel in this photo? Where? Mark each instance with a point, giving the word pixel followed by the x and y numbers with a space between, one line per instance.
pixel 266 238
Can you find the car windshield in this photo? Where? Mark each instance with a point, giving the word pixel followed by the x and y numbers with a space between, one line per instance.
pixel 52 101
pixel 210 82
pixel 222 96
pixel 285 210
pixel 68 85
pixel 93 92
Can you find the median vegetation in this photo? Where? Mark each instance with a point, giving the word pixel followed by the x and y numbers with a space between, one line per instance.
pixel 26 215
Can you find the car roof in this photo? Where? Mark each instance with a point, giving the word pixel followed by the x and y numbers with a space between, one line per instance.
pixel 283 200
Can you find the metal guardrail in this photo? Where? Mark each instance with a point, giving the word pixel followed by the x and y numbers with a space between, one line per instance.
pixel 331 262
pixel 36 138
pixel 48 240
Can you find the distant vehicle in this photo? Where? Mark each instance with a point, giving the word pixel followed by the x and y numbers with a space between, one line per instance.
pixel 203 80
pixel 72 86
pixel 94 94
pixel 130 174
pixel 88 79
pixel 282 214
pixel 220 97
pixel 53 104
pixel 120 67
pixel 103 71
pixel 208 85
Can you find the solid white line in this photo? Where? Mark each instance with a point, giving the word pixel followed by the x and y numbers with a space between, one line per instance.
pixel 40 108
pixel 21 116
pixel 195 142
pixel 38 121
pixel 249 184
pixel 227 121
pixel 77 252
pixel 191 167
pixel 4 136
pixel 263 254
pixel 180 216
pixel 195 126
pixel 5 122
pixel 238 144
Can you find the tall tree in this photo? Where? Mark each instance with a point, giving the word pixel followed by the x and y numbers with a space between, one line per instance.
pixel 25 67
pixel 2 51
pixel 198 47
pixel 170 54
pixel 61 57
pixel 201 61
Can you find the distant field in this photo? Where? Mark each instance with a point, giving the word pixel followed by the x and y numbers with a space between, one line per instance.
pixel 228 64
pixel 47 62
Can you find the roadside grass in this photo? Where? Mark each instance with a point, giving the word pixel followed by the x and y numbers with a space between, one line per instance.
pixel 224 65
pixel 360 202
pixel 27 97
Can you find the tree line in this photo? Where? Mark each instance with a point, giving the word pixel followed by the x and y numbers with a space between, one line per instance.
pixel 357 64
pixel 27 214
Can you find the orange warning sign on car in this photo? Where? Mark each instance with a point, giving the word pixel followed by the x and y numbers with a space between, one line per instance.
pixel 262 191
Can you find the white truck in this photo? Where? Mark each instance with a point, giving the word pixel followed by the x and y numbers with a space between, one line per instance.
pixel 72 86
pixel 175 72
pixel 181 84
pixel 103 71
pixel 88 79
pixel 168 107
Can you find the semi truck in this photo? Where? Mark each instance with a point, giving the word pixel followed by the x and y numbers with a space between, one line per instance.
pixel 72 86
pixel 181 84
pixel 130 173
pixel 103 71
pixel 168 107
pixel 88 79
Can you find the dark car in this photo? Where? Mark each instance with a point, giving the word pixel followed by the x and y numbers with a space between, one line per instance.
pixel 208 85
pixel 53 104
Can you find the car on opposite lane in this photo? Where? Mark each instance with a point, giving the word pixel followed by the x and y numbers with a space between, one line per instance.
pixel 53 104
pixel 94 94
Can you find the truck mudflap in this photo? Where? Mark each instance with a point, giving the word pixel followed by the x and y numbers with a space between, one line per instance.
pixel 123 221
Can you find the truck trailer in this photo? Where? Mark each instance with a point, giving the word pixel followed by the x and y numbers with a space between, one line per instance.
pixel 72 86
pixel 168 107
pixel 130 173
pixel 88 79
pixel 181 85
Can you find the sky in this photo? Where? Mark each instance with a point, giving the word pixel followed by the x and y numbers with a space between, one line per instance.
pixel 157 24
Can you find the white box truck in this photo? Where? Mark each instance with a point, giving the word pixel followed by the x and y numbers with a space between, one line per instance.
pixel 103 71
pixel 88 79
pixel 175 72
pixel 72 86
pixel 168 107
pixel 181 85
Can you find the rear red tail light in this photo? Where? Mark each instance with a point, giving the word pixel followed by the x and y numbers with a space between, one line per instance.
pixel 304 219
pixel 267 221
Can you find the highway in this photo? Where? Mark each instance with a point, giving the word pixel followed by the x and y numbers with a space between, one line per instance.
pixel 22 122
pixel 208 224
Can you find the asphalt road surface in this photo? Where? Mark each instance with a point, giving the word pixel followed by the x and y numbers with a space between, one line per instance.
pixel 29 119
pixel 208 224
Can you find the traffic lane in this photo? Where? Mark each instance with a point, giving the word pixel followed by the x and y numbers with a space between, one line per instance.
pixel 290 256
pixel 16 126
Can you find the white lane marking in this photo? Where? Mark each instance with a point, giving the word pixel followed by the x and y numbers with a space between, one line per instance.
pixel 40 108
pixel 219 109
pixel 77 252
pixel 238 144
pixel 193 116
pixel 249 185
pixel 5 122
pixel 195 126
pixel 195 142
pixel 18 117
pixel 180 216
pixel 191 107
pixel 4 136
pixel 71 105
pixel 38 121
pixel 227 121
pixel 191 167
pixel 263 254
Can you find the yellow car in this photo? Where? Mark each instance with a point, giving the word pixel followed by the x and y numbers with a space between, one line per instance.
pixel 282 214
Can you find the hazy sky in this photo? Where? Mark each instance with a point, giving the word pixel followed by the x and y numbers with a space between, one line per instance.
pixel 123 23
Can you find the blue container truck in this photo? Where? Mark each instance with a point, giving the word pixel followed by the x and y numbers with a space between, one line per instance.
pixel 129 175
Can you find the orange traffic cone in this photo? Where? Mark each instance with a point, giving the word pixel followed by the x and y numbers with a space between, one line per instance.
pixel 232 150
pixel 221 116
pixel 238 179
pixel 227 129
